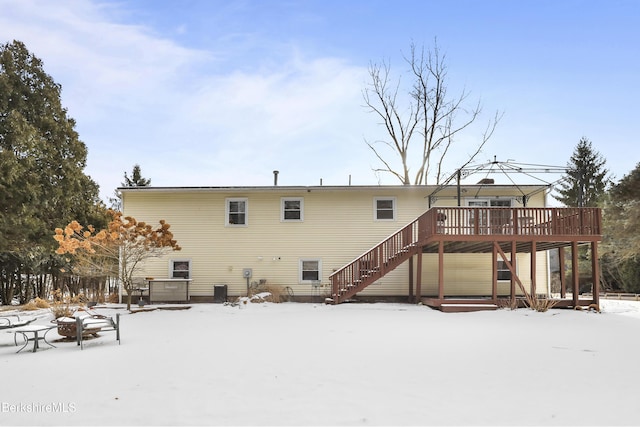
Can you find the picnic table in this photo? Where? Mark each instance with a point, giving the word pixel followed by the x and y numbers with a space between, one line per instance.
pixel 32 333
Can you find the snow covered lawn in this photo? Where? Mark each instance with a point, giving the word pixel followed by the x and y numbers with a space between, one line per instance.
pixel 352 364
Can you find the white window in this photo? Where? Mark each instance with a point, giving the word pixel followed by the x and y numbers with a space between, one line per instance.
pixel 292 209
pixel 310 270
pixel 236 212
pixel 180 269
pixel 384 208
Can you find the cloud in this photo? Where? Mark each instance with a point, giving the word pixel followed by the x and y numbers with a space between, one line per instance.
pixel 291 116
pixel 186 119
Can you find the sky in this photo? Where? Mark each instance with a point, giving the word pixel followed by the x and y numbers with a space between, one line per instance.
pixel 222 93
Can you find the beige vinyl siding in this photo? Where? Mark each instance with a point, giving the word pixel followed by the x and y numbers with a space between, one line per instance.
pixel 338 225
pixel 471 274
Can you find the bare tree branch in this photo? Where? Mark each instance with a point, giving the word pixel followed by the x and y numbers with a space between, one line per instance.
pixel 430 119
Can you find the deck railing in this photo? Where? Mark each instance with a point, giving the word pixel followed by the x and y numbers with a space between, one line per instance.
pixel 464 221
pixel 517 221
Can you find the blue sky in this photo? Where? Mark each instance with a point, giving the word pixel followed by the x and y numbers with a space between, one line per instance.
pixel 209 92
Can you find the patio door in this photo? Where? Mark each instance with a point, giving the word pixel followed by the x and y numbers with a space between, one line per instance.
pixel 490 221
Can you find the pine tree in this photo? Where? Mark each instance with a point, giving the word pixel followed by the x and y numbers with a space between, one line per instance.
pixel 41 157
pixel 586 178
pixel 42 182
pixel 136 179
pixel 621 236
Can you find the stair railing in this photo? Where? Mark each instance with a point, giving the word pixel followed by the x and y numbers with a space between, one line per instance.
pixel 382 258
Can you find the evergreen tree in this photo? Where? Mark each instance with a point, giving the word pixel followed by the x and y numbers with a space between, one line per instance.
pixel 136 180
pixel 42 183
pixel 586 179
pixel 621 236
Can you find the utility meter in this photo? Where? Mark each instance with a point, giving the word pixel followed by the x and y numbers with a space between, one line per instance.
pixel 246 273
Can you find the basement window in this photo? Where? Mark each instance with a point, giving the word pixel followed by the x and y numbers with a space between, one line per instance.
pixel 503 271
pixel 310 270
pixel 180 269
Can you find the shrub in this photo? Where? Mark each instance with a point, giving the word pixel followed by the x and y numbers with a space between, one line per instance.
pixel 30 306
pixel 61 311
pixel 509 303
pixel 79 299
pixel 278 293
pixel 539 303
pixel 36 304
pixel 61 304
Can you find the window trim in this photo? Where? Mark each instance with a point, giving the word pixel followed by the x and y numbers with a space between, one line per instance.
pixel 488 200
pixel 172 270
pixel 227 211
pixel 300 270
pixel 393 208
pixel 283 201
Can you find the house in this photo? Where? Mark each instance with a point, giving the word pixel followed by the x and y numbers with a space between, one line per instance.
pixel 424 243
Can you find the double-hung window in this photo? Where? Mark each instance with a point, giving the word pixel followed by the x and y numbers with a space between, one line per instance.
pixel 236 212
pixel 292 209
pixel 310 270
pixel 180 269
pixel 384 208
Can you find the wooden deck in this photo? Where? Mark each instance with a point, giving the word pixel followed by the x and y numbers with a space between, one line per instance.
pixel 498 231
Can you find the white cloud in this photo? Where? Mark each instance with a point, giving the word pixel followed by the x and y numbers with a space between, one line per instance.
pixel 290 117
pixel 140 98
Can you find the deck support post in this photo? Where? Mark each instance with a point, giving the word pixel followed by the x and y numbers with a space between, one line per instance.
pixel 575 272
pixel 494 275
pixel 513 256
pixel 411 295
pixel 419 277
pixel 533 269
pixel 563 275
pixel 595 273
pixel 441 270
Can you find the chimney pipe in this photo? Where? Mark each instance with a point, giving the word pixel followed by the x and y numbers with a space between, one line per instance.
pixel 275 178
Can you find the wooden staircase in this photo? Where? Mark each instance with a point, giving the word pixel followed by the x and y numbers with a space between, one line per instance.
pixel 381 259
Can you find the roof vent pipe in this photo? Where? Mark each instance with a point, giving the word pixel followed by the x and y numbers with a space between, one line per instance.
pixel 275 178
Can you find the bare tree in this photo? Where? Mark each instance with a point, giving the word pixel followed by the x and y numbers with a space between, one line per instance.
pixel 427 117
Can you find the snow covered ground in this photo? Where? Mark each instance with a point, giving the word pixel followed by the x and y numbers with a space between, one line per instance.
pixel 352 364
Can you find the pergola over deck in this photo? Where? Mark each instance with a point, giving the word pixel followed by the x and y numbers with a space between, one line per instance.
pixel 499 231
